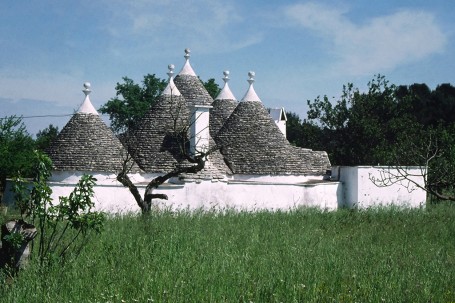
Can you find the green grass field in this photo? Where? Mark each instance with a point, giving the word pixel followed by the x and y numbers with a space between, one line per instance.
pixel 378 255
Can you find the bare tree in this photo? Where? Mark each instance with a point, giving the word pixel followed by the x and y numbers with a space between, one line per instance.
pixel 432 155
pixel 189 162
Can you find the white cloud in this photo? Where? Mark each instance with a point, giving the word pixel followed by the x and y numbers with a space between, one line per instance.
pixel 378 45
pixel 207 25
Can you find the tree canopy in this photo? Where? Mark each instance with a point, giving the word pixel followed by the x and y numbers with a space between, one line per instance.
pixel 132 101
pixel 212 87
pixel 386 125
pixel 361 127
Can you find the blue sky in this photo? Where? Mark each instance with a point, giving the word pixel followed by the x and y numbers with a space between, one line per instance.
pixel 298 49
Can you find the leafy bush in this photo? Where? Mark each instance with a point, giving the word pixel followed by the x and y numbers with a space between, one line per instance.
pixel 63 227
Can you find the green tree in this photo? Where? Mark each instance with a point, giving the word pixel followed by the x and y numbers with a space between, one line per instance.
pixel 132 101
pixel 302 133
pixel 294 129
pixel 45 137
pixel 16 149
pixel 430 108
pixel 212 87
pixel 360 127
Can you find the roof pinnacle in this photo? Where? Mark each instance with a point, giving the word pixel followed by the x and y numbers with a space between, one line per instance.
pixel 171 70
pixel 87 107
pixel 187 53
pixel 251 94
pixel 86 89
pixel 187 69
pixel 251 74
pixel 225 93
pixel 171 89
pixel 226 76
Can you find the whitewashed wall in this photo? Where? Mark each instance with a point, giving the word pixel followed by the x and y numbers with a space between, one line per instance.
pixel 250 196
pixel 350 187
pixel 248 193
pixel 360 191
pixel 110 196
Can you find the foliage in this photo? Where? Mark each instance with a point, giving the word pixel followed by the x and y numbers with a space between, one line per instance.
pixel 63 226
pixel 45 137
pixel 364 128
pixel 360 127
pixel 14 240
pixel 302 133
pixel 132 101
pixel 430 108
pixel 392 126
pixel 306 255
pixel 212 87
pixel 16 149
pixel 294 131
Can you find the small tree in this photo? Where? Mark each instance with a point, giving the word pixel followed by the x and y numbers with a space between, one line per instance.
pixel 126 115
pixel 64 227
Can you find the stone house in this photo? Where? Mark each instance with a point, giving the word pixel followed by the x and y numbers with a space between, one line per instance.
pixel 251 165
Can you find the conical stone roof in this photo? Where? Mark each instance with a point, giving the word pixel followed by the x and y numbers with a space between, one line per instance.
pixel 223 106
pixel 86 143
pixel 155 148
pixel 315 161
pixel 191 86
pixel 251 142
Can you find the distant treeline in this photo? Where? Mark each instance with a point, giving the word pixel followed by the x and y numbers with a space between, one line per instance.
pixel 372 128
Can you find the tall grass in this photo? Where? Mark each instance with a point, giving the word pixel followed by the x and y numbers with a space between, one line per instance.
pixel 305 255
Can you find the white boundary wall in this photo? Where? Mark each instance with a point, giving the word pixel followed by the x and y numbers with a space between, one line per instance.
pixel 360 191
pixel 249 196
pixel 350 187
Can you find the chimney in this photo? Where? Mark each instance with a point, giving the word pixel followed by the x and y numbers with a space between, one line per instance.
pixel 199 129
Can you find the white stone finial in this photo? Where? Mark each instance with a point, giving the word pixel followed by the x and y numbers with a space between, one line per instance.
pixel 187 69
pixel 226 76
pixel 171 70
pixel 86 89
pixel 251 74
pixel 171 89
pixel 225 93
pixel 86 106
pixel 187 53
pixel 251 94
